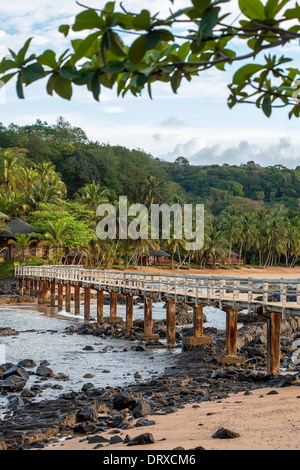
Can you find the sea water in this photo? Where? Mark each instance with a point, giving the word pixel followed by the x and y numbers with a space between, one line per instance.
pixel 113 362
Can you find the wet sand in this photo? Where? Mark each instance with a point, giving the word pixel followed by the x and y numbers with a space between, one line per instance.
pixel 264 422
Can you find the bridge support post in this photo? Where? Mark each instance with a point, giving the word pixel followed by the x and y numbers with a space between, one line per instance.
pixel 129 311
pixel 77 300
pixel 170 323
pixel 273 343
pixel 21 285
pixel 31 287
pixel 27 286
pixel 87 303
pixel 99 306
pixel 231 338
pixel 113 309
pixel 53 290
pixel 148 321
pixel 197 340
pixel 68 298
pixel 60 297
pixel 45 291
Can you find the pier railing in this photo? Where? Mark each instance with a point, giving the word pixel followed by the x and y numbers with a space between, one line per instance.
pixel 262 295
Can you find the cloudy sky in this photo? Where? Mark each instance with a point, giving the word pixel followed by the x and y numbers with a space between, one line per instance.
pixel 195 123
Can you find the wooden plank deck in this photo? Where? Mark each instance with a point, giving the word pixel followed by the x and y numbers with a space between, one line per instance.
pixel 241 293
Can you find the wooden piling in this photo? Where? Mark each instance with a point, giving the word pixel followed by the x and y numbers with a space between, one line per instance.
pixel 273 343
pixel 27 286
pixel 21 286
pixel 77 300
pixel 68 298
pixel 87 303
pixel 198 321
pixel 170 322
pixel 129 311
pixel 113 309
pixel 53 293
pixel 231 331
pixel 60 297
pixel 99 306
pixel 45 291
pixel 197 340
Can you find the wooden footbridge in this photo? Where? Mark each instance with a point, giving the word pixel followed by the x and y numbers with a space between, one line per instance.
pixel 275 299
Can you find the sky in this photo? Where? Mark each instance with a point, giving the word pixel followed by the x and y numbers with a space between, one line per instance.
pixel 196 123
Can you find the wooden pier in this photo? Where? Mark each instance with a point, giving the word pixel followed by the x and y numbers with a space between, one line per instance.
pixel 275 299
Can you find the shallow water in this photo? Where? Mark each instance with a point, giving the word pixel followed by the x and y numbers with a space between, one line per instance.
pixel 113 362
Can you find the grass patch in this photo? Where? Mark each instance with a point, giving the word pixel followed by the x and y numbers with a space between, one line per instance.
pixel 7 269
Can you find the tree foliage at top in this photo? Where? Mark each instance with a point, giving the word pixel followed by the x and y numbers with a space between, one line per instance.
pixel 185 44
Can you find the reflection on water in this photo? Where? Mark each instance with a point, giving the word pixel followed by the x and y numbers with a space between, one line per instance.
pixel 112 362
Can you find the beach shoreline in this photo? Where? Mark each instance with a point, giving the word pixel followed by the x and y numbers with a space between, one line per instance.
pixel 265 419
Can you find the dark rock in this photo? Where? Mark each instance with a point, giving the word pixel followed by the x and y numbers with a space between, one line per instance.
pixel 44 371
pixel 142 408
pixel 27 363
pixel 224 433
pixel 115 440
pixel 144 422
pixel 124 400
pixel 96 439
pixel 142 439
pixel 17 371
pixel 13 383
pixel 84 428
pixel 88 413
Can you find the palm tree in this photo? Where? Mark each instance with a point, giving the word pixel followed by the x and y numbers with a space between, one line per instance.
pixel 10 171
pixel 174 245
pixel 93 195
pixel 56 236
pixel 22 242
pixel 153 191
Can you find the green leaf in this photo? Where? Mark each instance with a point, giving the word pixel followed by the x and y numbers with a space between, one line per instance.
pixel 22 52
pixel 96 86
pixel 88 19
pixel 142 21
pixel 267 106
pixel 253 9
pixel 7 64
pixel 34 72
pixel 137 50
pixel 64 29
pixel 208 22
pixel 48 58
pixel 152 39
pixel 19 86
pixel 83 48
pixel 63 87
pixel 246 72
pixel 117 45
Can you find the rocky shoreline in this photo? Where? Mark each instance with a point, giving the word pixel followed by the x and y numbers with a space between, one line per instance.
pixel 193 377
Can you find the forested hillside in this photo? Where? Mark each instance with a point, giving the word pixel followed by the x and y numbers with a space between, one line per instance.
pixel 52 173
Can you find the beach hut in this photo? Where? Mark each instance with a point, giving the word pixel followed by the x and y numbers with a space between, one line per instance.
pixel 16 227
pixel 155 258
pixel 234 258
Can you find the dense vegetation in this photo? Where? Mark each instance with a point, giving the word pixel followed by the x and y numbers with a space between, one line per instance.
pixel 54 177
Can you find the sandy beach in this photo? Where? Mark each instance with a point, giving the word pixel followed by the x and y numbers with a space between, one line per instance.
pixel 243 272
pixel 264 422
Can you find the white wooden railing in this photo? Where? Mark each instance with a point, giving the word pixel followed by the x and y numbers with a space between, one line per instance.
pixel 277 295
